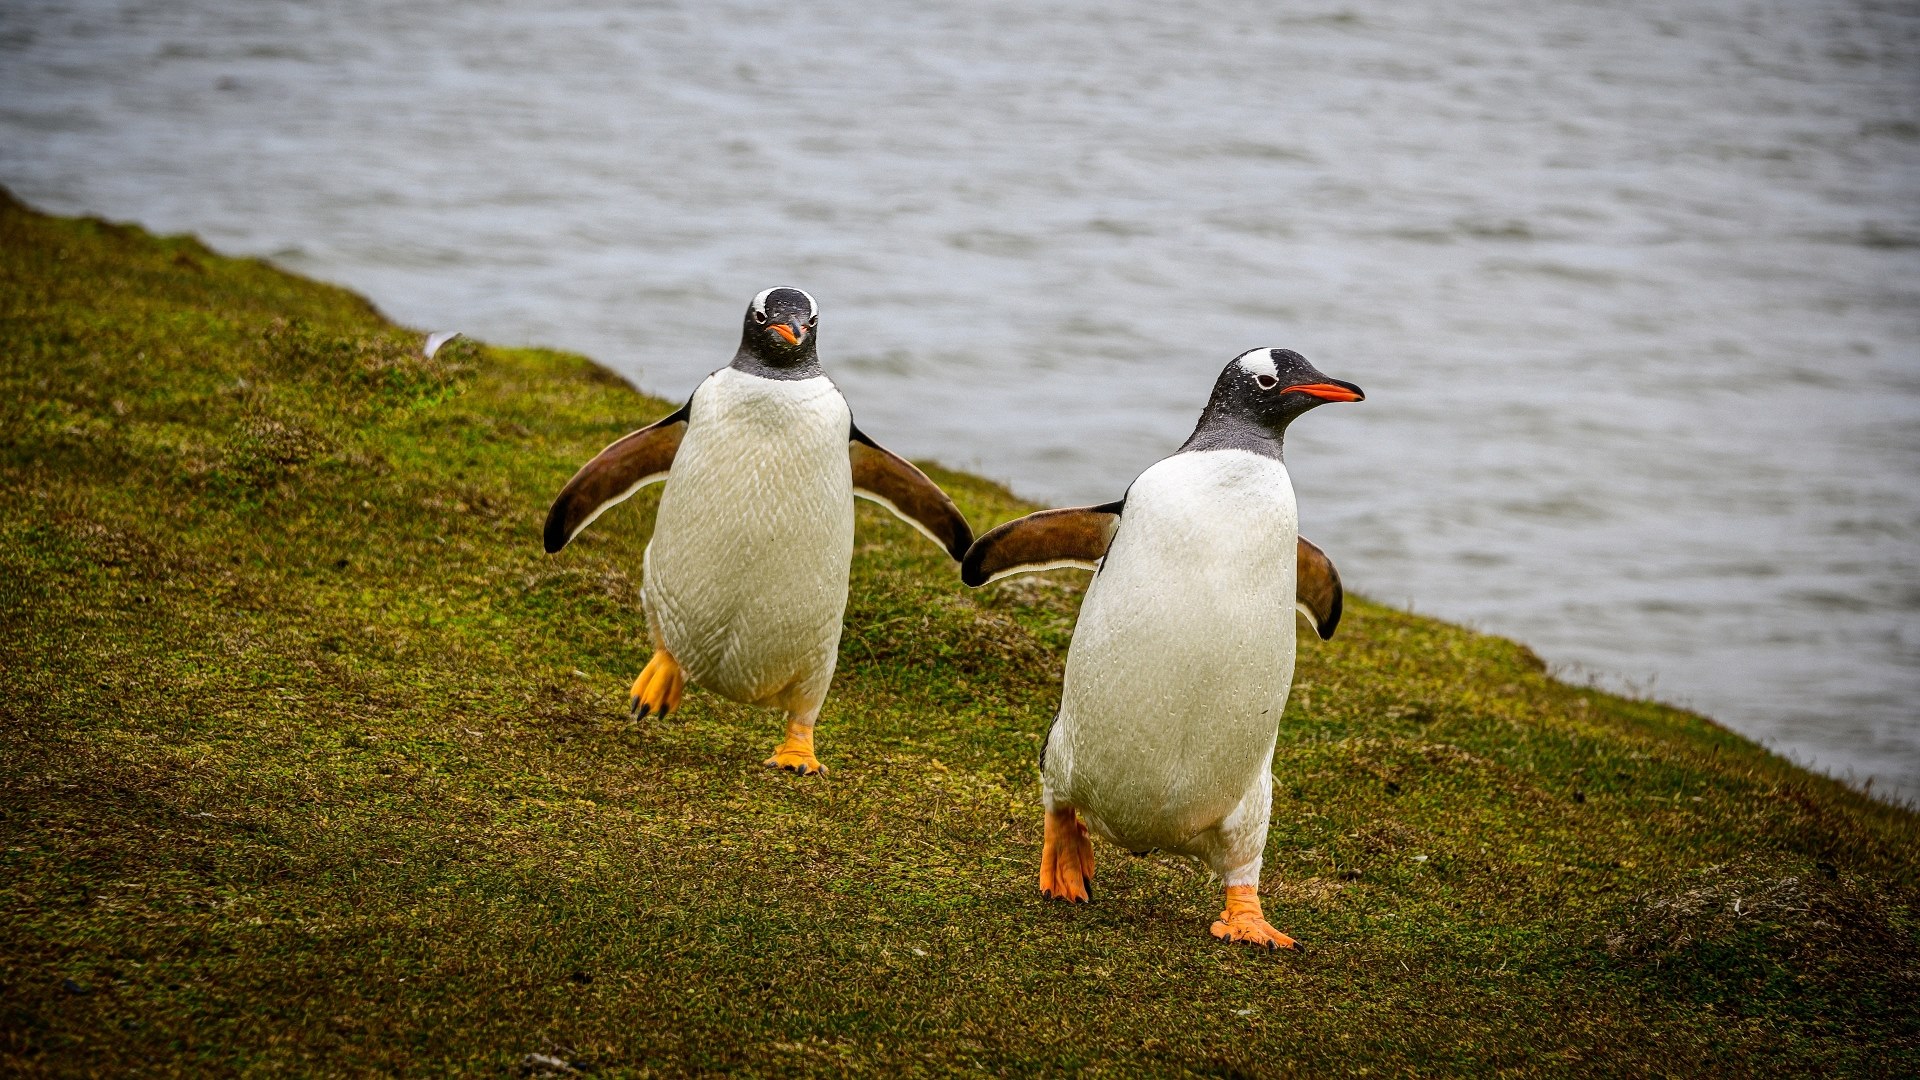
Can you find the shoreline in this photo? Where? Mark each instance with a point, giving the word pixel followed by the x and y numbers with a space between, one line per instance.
pixel 315 761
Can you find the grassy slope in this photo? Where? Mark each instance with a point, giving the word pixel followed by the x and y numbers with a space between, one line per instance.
pixel 312 758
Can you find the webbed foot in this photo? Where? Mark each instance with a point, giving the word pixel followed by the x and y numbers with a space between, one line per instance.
pixel 1243 922
pixel 1066 858
pixel 659 688
pixel 795 752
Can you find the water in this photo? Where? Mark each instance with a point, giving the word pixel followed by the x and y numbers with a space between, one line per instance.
pixel 1634 288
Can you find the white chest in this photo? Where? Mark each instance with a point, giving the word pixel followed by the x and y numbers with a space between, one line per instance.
pixel 746 577
pixel 1219 525
pixel 1183 654
pixel 748 434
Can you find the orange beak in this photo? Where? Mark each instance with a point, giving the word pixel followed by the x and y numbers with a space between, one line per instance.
pixel 786 331
pixel 1327 392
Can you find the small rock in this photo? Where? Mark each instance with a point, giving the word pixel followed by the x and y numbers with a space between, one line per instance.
pixel 74 988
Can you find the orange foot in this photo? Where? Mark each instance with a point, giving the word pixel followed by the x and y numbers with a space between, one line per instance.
pixel 659 687
pixel 1243 922
pixel 795 752
pixel 1066 858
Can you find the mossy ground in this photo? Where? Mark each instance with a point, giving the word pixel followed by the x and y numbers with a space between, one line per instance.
pixel 314 763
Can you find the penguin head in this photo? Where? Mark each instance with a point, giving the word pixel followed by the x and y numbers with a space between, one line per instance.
pixel 1258 394
pixel 779 328
pixel 1272 387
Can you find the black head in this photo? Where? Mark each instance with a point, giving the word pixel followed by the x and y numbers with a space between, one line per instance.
pixel 777 335
pixel 1257 395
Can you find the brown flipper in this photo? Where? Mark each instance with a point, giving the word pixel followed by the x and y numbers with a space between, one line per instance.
pixel 1073 536
pixel 891 480
pixel 631 463
pixel 1317 589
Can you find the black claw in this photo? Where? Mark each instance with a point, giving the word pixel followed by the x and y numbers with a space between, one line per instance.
pixel 640 711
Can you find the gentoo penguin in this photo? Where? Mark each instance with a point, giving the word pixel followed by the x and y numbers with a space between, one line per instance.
pixel 1183 654
pixel 746 574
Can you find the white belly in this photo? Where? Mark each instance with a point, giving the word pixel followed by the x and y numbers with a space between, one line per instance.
pixel 746 575
pixel 1183 655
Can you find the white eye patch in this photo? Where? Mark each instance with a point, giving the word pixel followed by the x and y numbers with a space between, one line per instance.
pixel 760 301
pixel 1258 363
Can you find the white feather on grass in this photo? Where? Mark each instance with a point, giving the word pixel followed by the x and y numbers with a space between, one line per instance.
pixel 435 340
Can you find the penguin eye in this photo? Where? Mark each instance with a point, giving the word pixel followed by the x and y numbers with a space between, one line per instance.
pixel 1267 382
pixel 760 317
pixel 815 321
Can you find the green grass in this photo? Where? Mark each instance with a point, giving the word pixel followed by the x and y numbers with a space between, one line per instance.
pixel 314 763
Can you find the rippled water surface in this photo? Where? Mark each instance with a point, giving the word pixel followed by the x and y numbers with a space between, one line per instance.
pixel 1634 289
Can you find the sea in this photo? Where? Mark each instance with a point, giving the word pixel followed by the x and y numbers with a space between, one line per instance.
pixel 1633 287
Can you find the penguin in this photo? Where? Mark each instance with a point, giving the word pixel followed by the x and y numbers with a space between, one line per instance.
pixel 745 578
pixel 1183 654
